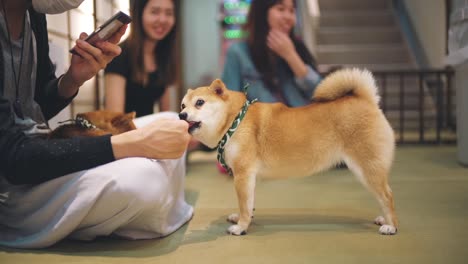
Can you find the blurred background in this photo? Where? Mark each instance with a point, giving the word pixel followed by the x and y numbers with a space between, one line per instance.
pixel 413 47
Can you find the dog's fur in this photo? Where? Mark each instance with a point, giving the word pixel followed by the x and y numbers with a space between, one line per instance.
pixel 343 124
pixel 105 122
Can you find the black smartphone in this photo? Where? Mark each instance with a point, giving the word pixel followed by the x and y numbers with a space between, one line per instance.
pixel 106 30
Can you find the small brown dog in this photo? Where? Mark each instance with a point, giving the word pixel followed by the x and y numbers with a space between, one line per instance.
pixel 275 141
pixel 96 123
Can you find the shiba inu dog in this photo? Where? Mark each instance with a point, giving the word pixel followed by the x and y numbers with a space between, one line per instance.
pixel 95 123
pixel 344 124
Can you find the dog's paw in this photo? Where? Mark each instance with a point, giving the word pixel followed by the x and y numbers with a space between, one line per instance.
pixel 379 220
pixel 233 218
pixel 236 230
pixel 387 230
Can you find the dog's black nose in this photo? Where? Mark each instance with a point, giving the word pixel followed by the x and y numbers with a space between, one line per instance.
pixel 183 116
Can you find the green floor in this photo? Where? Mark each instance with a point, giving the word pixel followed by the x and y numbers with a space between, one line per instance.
pixel 322 219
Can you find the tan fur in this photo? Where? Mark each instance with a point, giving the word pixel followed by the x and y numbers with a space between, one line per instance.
pixel 274 141
pixel 106 122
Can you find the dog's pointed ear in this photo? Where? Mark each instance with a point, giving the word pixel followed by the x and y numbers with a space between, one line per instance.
pixel 218 87
pixel 131 115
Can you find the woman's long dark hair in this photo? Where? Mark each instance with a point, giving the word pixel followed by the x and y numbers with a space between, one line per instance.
pixel 165 53
pixel 262 57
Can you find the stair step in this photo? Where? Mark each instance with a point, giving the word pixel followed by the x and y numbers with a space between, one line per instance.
pixel 371 67
pixel 365 34
pixel 428 116
pixel 362 54
pixel 411 125
pixel 393 103
pixel 357 18
pixel 359 35
pixel 341 48
pixel 352 5
pixel 410 120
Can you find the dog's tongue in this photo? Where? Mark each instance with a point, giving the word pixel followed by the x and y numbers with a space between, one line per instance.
pixel 191 123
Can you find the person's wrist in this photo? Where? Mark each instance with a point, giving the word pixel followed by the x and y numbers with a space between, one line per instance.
pixel 298 66
pixel 68 86
pixel 291 56
pixel 120 146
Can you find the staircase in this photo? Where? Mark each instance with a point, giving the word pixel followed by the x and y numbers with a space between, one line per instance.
pixel 361 33
pixel 366 34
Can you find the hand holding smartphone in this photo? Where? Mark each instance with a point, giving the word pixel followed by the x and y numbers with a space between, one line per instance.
pixel 106 30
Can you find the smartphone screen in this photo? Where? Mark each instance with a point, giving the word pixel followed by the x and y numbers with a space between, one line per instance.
pixel 106 30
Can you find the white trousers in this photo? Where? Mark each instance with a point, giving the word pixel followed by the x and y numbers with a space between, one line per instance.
pixel 134 198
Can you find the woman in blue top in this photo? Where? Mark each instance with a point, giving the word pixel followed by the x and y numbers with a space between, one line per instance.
pixel 277 66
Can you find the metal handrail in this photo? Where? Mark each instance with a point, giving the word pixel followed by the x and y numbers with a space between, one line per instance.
pixel 433 85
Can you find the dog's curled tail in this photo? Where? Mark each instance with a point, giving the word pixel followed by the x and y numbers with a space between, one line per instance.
pixel 352 81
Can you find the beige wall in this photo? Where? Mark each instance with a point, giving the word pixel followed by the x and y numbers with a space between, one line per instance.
pixel 428 18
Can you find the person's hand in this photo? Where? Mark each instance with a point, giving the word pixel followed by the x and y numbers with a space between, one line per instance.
pixel 162 139
pixel 281 44
pixel 90 62
pixel 93 59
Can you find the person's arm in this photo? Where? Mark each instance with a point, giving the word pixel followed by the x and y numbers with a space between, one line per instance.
pixel 305 76
pixel 27 160
pixel 89 63
pixel 163 139
pixel 282 45
pixel 166 99
pixel 115 92
pixel 54 94
pixel 46 93
pixel 309 82
pixel 31 160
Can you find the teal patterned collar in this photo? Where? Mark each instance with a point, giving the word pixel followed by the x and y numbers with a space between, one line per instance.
pixel 81 122
pixel 231 130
